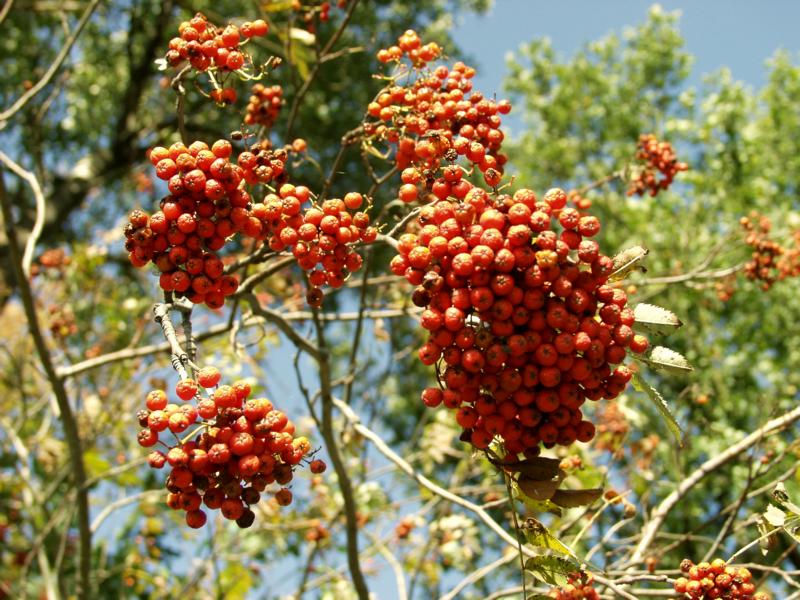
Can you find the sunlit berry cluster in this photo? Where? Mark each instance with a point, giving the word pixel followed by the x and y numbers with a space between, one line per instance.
pixel 433 120
pixel 206 205
pixel 521 322
pixel 264 106
pixel 321 237
pixel 239 446
pixel 206 46
pixel 578 587
pixel 209 203
pixel 716 579
pixel 770 261
pixel 410 46
pixel 658 168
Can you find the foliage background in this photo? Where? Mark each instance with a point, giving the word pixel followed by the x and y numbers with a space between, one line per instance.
pixel 577 117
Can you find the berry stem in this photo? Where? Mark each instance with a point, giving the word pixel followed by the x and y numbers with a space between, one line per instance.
pixel 507 481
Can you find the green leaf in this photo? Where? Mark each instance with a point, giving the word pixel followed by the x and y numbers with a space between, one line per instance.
pixel 626 261
pixel 573 498
pixel 552 570
pixel 539 536
pixel 538 597
pixel 654 319
pixel 667 360
pixel 658 400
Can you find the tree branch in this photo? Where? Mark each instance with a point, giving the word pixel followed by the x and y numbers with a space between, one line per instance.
pixel 345 485
pixel 660 514
pixel 33 182
pixel 67 416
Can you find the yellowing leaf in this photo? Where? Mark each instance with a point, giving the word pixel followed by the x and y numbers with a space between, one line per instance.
pixel 277 5
pixel 538 535
pixel 626 261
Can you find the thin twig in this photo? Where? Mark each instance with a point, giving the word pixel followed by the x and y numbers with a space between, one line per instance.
pixel 298 99
pixel 397 568
pixel 110 508
pixel 177 85
pixel 479 574
pixel 281 323
pixel 38 225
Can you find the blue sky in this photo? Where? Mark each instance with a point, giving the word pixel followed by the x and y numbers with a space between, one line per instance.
pixel 739 34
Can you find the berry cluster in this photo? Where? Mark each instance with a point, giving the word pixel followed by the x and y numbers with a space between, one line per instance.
pixel 205 206
pixel 520 316
pixel 264 106
pixel 321 238
pixel 208 203
pixel 716 580
pixel 770 261
pixel 578 587
pixel 511 289
pixel 658 157
pixel 435 119
pixel 206 46
pixel 579 201
pixel 241 446
pixel 411 47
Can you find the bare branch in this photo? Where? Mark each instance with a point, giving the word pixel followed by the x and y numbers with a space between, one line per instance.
pixel 116 505
pixel 131 353
pixel 179 356
pixel 479 574
pixel 281 323
pixel 660 514
pixel 345 485
pixel 384 449
pixel 30 178
pixel 71 432
pixel 298 99
pixel 5 9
